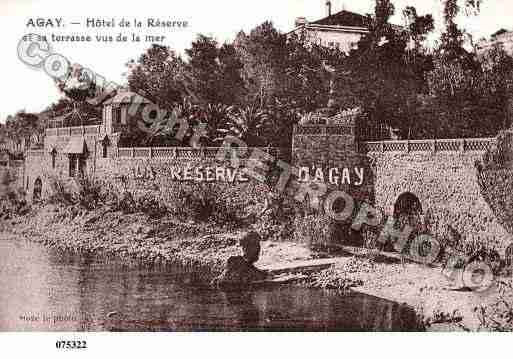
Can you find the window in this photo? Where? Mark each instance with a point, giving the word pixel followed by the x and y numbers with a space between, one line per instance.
pixel 54 154
pixel 77 164
pixel 122 111
pixel 104 150
pixel 38 186
pixel 81 165
pixel 116 115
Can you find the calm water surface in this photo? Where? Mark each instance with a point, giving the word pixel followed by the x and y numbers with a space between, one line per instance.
pixel 43 290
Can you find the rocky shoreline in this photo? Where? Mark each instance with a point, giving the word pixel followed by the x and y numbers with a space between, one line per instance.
pixel 152 242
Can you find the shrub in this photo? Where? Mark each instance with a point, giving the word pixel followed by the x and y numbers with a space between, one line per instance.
pixel 370 238
pixel 60 193
pixel 12 200
pixel 90 192
pixel 277 222
pixel 86 192
pixel 125 202
pixel 494 158
pixel 315 230
pixel 498 316
pixel 342 276
pixel 210 202
pixel 130 201
pixel 149 204
pixel 439 317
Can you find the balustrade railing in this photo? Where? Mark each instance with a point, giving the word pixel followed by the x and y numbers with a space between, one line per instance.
pixel 187 152
pixel 451 145
pixel 74 131
pixel 35 153
pixel 323 130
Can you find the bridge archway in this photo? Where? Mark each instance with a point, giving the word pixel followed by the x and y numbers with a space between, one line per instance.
pixel 408 211
pixel 37 191
pixel 407 204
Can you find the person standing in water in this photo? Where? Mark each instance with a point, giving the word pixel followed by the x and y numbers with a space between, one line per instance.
pixel 240 271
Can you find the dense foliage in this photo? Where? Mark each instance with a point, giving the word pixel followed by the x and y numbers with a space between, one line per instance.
pixel 258 86
pixel 12 199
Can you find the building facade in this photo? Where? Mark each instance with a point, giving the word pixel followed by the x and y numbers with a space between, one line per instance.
pixel 340 30
pixel 70 151
pixel 502 38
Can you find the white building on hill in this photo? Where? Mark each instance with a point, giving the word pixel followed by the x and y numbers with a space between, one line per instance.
pixel 502 37
pixel 342 29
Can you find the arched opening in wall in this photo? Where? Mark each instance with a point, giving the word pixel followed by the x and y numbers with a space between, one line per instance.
pixel 104 150
pixel 105 144
pixel 408 211
pixel 407 204
pixel 53 154
pixel 38 187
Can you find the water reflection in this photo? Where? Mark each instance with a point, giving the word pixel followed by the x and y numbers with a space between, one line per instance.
pixel 44 290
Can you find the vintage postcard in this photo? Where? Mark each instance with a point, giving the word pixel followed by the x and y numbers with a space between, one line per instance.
pixel 256 166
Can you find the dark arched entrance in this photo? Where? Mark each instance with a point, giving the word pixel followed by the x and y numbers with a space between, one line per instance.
pixel 408 212
pixel 38 186
pixel 407 204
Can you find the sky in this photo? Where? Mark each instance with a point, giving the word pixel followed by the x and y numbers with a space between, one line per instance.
pixel 33 90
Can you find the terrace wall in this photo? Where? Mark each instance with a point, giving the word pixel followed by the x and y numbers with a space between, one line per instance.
pixel 146 169
pixel 442 174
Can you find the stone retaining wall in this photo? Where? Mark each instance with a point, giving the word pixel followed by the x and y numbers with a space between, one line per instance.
pixel 445 180
pixel 138 171
pixel 442 175
pixel 449 190
pixel 157 176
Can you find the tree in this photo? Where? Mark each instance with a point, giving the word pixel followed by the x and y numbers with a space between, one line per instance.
pixel 308 80
pixel 384 76
pixel 453 38
pixel 469 93
pixel 22 129
pixel 62 106
pixel 248 124
pixel 158 75
pixel 472 102
pixel 417 26
pixel 263 53
pixel 215 72
pixel 78 84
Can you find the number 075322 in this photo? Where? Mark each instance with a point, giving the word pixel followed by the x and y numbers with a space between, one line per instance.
pixel 71 344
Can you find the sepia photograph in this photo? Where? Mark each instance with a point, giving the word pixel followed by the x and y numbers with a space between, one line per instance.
pixel 266 166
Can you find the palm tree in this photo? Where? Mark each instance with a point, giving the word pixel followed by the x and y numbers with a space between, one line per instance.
pixel 248 124
pixel 215 116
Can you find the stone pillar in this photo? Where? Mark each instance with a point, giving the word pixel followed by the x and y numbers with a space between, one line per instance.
pixel 324 149
pixel 324 140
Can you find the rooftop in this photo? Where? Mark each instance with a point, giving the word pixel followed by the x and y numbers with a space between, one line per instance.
pixel 344 18
pixel 126 97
